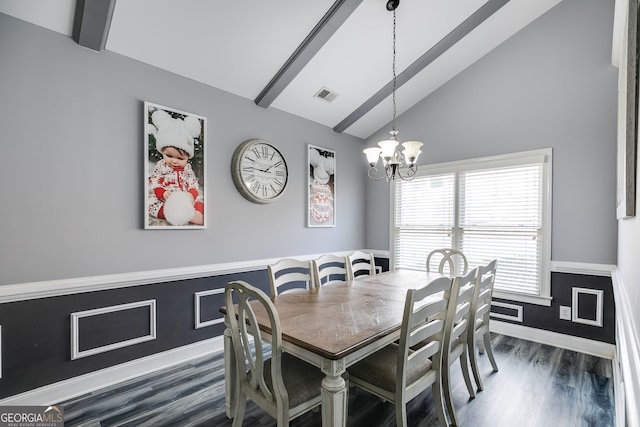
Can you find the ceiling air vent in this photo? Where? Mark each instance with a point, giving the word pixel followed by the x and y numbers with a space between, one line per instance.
pixel 326 94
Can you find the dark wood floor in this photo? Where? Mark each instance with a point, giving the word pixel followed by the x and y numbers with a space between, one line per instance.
pixel 537 385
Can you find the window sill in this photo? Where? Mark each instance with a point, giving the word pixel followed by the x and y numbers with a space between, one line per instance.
pixel 530 299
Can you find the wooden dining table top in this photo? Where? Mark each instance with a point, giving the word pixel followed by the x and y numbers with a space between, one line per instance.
pixel 337 319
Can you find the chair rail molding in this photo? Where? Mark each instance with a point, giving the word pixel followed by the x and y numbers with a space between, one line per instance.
pixel 582 268
pixel 52 288
pixel 627 355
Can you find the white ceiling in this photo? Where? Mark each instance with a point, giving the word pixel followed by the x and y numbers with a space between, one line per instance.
pixel 238 46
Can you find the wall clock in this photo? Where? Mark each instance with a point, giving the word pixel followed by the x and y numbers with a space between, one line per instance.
pixel 259 171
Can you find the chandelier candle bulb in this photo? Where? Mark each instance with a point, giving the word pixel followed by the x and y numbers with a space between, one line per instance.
pixel 411 151
pixel 388 147
pixel 372 154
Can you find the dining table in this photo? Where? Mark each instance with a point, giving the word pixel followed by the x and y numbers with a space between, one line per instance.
pixel 332 327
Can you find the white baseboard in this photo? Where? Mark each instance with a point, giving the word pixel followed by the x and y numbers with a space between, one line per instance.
pixel 628 355
pixel 77 386
pixel 568 342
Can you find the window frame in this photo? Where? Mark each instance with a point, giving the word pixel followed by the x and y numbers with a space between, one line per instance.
pixel 542 156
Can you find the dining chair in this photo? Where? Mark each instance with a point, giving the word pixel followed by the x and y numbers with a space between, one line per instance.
pixel 288 274
pixel 397 373
pixel 451 258
pixel 361 264
pixel 480 315
pixel 329 268
pixel 456 328
pixel 283 385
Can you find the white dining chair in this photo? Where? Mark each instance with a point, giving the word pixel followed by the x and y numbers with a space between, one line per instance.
pixel 283 385
pixel 361 263
pixel 397 373
pixel 457 325
pixel 449 261
pixel 329 268
pixel 288 274
pixel 480 315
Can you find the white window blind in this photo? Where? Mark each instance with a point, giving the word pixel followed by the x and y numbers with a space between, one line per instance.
pixel 487 208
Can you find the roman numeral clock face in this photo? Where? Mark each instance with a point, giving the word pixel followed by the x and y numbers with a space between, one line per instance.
pixel 259 171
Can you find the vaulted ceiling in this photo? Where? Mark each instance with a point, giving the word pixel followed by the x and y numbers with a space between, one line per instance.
pixel 281 53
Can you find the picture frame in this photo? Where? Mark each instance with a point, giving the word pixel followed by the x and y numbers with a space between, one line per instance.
pixel 175 172
pixel 321 187
pixel 628 118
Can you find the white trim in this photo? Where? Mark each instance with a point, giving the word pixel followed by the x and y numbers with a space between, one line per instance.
pixel 197 296
pixel 541 155
pixel 76 353
pixel 517 308
pixel 620 13
pixel 628 353
pixel 582 268
pixel 575 293
pixel 569 342
pixel 53 288
pixel 529 299
pixel 77 386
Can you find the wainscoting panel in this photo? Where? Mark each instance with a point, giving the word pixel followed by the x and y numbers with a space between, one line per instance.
pixel 35 350
pixel 40 320
pixel 502 310
pixel 112 327
pixel 628 357
pixel 593 307
pixel 207 304
pixel 586 306
pixel 37 332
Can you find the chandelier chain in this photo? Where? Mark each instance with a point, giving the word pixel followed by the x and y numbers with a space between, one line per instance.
pixel 393 124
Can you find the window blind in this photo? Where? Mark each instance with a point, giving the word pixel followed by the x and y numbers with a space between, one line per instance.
pixel 484 211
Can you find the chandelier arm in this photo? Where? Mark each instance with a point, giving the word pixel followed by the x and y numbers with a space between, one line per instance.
pixel 376 178
pixel 410 173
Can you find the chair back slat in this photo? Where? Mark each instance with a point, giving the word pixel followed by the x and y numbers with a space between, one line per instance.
pixel 416 327
pixel 481 303
pixel 330 268
pixel 290 273
pixel 458 315
pixel 361 264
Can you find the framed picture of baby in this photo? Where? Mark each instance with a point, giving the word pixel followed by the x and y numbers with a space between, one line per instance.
pixel 321 211
pixel 175 168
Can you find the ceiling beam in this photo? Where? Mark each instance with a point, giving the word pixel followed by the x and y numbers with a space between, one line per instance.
pixel 468 25
pixel 91 23
pixel 328 25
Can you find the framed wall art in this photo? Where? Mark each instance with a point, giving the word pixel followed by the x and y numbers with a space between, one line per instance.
pixel 628 118
pixel 175 168
pixel 321 175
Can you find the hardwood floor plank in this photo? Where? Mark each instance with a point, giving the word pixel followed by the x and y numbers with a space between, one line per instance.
pixel 537 385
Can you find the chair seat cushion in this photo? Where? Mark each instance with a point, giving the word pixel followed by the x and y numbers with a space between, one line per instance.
pixel 380 368
pixel 302 380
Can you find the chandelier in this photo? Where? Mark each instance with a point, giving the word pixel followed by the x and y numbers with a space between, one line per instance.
pixel 396 163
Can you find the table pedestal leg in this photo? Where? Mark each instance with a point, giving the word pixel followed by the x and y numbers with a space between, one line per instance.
pixel 334 394
pixel 230 375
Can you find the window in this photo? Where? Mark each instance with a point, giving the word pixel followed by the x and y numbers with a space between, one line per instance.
pixel 494 207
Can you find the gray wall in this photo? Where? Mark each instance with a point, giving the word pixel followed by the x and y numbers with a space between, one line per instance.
pixel 551 85
pixel 72 173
